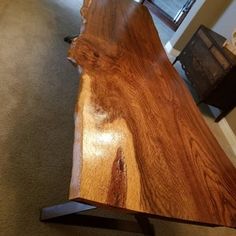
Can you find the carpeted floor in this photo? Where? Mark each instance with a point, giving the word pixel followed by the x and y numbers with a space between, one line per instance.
pixel 38 90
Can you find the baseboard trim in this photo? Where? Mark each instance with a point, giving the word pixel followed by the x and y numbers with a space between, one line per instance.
pixel 228 133
pixel 170 50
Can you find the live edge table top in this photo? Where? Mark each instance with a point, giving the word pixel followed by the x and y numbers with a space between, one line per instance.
pixel 140 142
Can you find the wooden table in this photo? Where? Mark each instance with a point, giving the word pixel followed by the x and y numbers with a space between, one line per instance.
pixel 141 144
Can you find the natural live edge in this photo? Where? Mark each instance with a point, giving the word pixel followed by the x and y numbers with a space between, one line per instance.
pixel 140 142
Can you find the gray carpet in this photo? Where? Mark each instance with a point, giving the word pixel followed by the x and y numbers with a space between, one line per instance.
pixel 38 90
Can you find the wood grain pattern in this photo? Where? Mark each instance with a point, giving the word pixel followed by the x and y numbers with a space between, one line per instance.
pixel 140 141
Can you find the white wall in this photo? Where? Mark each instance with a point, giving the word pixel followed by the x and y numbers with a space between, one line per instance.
pixel 224 26
pixel 227 22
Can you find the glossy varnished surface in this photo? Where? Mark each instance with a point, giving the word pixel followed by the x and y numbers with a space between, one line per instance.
pixel 140 141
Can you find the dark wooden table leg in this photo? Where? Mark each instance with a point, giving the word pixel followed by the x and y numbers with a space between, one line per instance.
pixel 145 224
pixel 69 213
pixel 67 208
pixel 176 59
pixel 222 115
pixel 199 102
pixel 69 39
